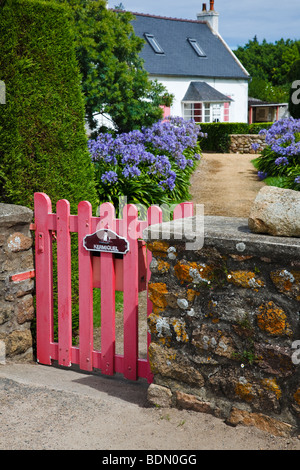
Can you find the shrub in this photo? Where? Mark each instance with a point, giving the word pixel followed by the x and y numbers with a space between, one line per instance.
pixel 150 166
pixel 43 145
pixel 218 134
pixel 279 162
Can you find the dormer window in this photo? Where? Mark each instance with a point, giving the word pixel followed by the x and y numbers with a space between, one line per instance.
pixel 200 52
pixel 154 43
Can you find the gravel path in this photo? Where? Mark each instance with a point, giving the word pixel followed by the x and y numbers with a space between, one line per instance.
pixel 226 184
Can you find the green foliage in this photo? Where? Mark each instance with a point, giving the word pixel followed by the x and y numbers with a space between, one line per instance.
pixel 43 145
pixel 294 72
pixel 97 305
pixel 143 190
pixel 269 66
pixel 265 91
pixel 113 77
pixel 218 134
pixel 279 163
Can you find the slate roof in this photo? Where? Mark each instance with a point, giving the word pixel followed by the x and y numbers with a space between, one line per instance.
pixel 179 58
pixel 201 91
pixel 255 102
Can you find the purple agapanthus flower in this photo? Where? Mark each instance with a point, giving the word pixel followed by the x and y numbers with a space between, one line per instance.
pixel 281 137
pixel 131 171
pixel 262 175
pixel 297 179
pixel 155 151
pixel 281 161
pixel 109 177
pixel 255 146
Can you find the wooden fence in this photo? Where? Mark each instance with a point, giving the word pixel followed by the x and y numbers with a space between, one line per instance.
pixel 129 272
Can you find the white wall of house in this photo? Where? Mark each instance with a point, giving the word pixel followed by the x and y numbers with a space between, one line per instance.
pixel 237 90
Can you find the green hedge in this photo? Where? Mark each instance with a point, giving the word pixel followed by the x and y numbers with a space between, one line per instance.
pixel 43 144
pixel 218 134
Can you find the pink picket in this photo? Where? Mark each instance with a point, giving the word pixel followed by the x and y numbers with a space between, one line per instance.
pixel 107 314
pixel 64 296
pixel 108 280
pixel 183 210
pixel 130 296
pixel 43 278
pixel 85 277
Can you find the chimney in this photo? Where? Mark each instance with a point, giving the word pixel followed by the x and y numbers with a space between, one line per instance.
pixel 211 16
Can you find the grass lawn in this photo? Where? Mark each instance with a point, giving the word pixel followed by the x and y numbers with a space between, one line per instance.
pixel 97 305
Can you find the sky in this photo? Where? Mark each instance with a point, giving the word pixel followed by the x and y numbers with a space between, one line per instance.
pixel 239 20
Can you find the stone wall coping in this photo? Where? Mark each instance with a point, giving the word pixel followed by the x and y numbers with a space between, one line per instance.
pixel 228 232
pixel 11 214
pixel 262 136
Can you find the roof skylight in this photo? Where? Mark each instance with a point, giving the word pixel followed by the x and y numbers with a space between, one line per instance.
pixel 154 43
pixel 199 51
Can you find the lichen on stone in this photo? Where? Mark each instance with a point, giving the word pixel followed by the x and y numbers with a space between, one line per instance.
pixel 157 293
pixel 271 385
pixel 273 320
pixel 297 396
pixel 159 327
pixel 158 248
pixel 191 295
pixel 182 271
pixel 162 266
pixel 180 330
pixel 287 282
pixel 246 279
pixel 245 391
pixel 194 273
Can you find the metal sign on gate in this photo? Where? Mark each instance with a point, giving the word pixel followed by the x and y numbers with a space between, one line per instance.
pixel 106 241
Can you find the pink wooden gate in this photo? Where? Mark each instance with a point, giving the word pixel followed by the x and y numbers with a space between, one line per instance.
pixel 135 275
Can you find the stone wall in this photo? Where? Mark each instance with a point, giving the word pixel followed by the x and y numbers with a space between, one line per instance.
pixel 16 300
pixel 225 324
pixel 242 143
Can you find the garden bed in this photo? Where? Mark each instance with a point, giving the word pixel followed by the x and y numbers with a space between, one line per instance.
pixel 279 163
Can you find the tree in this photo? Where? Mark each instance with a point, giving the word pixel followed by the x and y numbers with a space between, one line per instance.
pixel 269 65
pixel 113 77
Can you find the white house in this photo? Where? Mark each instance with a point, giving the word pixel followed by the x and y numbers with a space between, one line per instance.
pixel 195 64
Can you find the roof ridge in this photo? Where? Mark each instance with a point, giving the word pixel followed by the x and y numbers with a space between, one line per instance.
pixel 161 17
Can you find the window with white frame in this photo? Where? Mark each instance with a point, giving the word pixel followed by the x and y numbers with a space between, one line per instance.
pixel 192 111
pixel 205 112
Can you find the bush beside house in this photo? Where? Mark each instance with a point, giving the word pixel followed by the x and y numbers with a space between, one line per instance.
pixel 218 134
